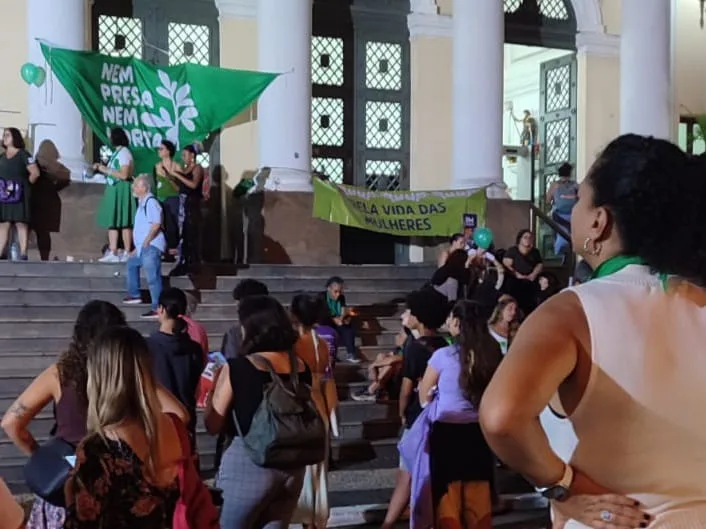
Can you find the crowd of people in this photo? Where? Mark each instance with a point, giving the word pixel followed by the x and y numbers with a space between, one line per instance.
pixel 178 188
pixel 615 359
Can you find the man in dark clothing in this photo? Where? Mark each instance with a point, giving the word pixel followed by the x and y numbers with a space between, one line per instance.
pixel 340 316
pixel 232 338
pixel 426 311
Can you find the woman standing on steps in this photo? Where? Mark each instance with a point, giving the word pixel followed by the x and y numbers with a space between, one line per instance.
pixel 18 171
pixel 116 212
pixel 313 508
pixel 65 384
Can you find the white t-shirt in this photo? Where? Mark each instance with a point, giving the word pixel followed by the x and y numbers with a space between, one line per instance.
pixel 11 513
pixel 149 212
pixel 121 158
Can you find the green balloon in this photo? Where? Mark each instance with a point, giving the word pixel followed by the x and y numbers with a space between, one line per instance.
pixel 28 72
pixel 483 237
pixel 40 77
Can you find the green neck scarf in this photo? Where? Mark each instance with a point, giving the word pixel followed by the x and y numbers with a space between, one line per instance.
pixel 617 263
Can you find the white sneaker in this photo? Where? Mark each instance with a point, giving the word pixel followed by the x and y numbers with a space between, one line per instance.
pixel 123 257
pixel 109 257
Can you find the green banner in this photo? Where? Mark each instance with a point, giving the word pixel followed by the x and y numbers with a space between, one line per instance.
pixel 181 103
pixel 403 213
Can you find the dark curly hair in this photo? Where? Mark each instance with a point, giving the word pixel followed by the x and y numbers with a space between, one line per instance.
pixel 119 138
pixel 18 142
pixel 266 326
pixel 93 318
pixel 429 307
pixel 654 192
pixel 307 309
pixel 478 351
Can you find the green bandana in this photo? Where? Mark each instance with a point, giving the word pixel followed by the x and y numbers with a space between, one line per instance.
pixel 617 263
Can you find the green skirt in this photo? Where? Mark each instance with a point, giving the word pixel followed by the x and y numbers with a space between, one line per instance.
pixel 118 207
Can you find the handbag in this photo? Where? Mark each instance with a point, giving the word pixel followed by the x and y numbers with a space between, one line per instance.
pixel 195 507
pixel 11 191
pixel 286 430
pixel 48 469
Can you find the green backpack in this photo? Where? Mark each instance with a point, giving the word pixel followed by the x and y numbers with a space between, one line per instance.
pixel 287 430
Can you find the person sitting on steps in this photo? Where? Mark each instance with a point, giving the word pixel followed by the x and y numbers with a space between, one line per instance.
pixel 382 372
pixel 341 316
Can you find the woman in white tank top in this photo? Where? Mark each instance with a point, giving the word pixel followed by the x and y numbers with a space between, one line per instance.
pixel 621 355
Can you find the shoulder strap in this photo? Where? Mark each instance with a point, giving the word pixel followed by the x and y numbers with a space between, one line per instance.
pixel 315 338
pixel 144 206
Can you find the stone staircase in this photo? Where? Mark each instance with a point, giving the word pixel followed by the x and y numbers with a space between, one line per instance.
pixel 40 302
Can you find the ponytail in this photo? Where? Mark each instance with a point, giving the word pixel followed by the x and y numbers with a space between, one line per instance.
pixel 173 301
pixel 180 325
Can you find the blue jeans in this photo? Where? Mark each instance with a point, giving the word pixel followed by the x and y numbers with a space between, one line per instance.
pixel 150 259
pixel 560 244
pixel 346 333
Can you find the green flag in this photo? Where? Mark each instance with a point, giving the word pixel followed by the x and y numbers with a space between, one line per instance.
pixel 181 103
pixel 402 213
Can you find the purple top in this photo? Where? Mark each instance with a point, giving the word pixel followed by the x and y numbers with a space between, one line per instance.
pixel 330 336
pixel 453 407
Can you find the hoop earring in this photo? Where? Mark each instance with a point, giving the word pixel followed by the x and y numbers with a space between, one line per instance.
pixel 591 247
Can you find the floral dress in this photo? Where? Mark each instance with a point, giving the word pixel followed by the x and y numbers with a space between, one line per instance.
pixel 108 490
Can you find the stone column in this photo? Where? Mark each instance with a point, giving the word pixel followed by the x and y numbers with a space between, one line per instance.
pixel 52 113
pixel 284 110
pixel 478 68
pixel 645 68
pixel 598 91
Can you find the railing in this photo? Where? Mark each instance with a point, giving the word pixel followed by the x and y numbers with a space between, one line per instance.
pixel 537 216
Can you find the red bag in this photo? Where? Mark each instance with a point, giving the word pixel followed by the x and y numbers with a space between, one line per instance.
pixel 195 508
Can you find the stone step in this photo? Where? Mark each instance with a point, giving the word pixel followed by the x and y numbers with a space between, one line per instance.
pixel 19 367
pixel 370 430
pixel 275 284
pixel 347 272
pixel 365 455
pixel 62 329
pixel 366 321
pixel 56 296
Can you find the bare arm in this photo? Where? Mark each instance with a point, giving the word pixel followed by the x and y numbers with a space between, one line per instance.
pixel 170 404
pixel 406 389
pixel 509 263
pixel 193 183
pixel 219 402
pixel 431 379
pixel 441 261
pixel 550 192
pixel 536 271
pixel 542 356
pixel 124 173
pixel 38 394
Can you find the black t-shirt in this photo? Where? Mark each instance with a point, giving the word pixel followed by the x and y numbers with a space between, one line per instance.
pixel 177 363
pixel 521 263
pixel 248 385
pixel 416 355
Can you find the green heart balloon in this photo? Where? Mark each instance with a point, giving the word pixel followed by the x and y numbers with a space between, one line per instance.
pixel 28 72
pixel 40 76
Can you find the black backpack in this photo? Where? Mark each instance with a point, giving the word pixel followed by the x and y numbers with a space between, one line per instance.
pixel 287 430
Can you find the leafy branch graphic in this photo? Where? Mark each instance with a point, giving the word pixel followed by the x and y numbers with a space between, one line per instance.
pixel 183 106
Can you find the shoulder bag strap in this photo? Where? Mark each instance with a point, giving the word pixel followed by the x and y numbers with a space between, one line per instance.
pixel 294 369
pixel 315 338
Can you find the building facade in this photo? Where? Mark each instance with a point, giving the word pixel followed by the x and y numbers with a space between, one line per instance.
pixel 386 94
